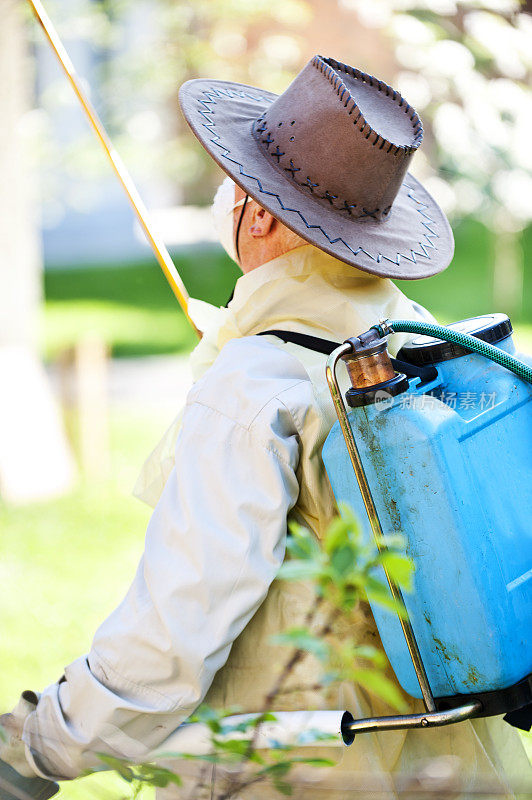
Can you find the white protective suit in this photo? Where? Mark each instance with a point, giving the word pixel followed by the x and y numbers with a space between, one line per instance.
pixel 246 458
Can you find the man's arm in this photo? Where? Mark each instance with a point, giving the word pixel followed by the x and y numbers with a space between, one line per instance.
pixel 213 546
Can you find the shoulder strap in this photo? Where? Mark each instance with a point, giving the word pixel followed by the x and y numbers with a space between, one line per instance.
pixel 326 346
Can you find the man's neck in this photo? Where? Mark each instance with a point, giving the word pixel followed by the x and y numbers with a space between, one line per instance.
pixel 265 250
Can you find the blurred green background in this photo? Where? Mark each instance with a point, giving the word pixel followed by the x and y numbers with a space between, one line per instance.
pixel 65 565
pixel 133 309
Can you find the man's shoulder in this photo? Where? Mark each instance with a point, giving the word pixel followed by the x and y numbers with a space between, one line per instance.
pixel 252 375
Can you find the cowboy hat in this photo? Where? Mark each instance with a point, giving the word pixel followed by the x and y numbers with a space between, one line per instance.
pixel 328 158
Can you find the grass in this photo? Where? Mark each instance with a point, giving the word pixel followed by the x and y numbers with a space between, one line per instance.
pixel 132 308
pixel 65 565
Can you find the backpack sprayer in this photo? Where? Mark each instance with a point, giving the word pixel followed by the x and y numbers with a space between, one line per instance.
pixel 443 455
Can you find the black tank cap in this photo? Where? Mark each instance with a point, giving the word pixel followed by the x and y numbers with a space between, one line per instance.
pixel 491 328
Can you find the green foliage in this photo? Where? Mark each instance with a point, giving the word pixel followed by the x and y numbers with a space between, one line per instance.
pixel 219 721
pixel 345 568
pixel 470 63
pixel 139 774
pixel 342 570
pixel 139 71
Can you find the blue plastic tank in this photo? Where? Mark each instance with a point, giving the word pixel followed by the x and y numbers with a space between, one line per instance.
pixel 450 467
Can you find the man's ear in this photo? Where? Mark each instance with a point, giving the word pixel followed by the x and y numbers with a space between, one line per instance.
pixel 261 222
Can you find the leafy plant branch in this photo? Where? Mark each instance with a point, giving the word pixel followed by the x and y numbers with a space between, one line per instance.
pixel 342 569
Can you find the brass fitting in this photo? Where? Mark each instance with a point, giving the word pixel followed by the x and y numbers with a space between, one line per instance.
pixel 370 369
pixel 369 363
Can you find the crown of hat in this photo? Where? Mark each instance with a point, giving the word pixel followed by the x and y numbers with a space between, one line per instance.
pixel 343 136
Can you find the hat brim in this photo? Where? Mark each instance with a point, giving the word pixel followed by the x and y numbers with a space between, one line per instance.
pixel 415 241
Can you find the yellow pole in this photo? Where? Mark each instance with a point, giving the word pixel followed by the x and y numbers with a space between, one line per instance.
pixel 157 245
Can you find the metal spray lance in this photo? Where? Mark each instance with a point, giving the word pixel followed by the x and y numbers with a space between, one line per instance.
pixel 161 253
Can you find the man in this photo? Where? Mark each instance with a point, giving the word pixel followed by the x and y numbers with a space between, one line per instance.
pixel 322 215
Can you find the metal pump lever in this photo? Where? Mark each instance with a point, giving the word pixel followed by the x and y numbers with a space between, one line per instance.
pixel 433 719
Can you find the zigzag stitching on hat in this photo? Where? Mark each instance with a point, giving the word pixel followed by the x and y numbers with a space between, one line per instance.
pixel 213 93
pixel 328 66
pixel 309 182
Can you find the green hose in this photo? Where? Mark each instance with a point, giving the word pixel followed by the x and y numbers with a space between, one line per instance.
pixel 456 337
